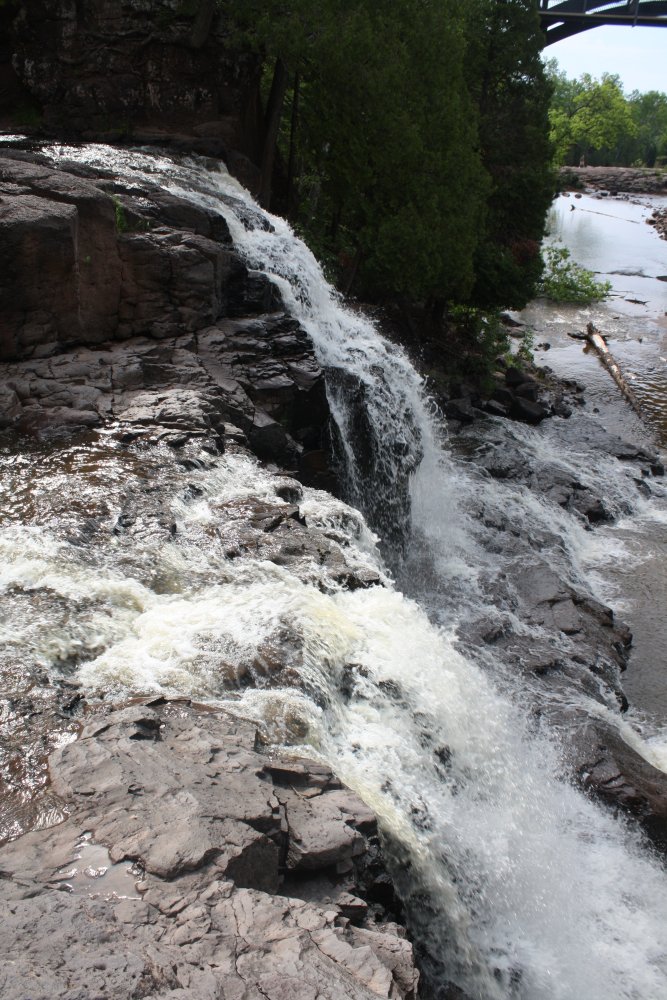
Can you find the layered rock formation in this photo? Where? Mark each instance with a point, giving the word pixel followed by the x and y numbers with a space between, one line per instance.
pixel 136 308
pixel 228 873
pixel 183 861
pixel 142 69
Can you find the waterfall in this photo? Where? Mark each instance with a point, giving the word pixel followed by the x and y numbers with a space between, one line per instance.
pixel 518 886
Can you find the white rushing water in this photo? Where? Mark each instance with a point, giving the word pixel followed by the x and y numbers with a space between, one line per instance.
pixel 518 884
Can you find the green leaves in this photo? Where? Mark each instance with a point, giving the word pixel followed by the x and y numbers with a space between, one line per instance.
pixel 595 119
pixel 412 140
pixel 566 281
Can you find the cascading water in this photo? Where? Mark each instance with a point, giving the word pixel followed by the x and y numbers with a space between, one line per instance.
pixel 517 885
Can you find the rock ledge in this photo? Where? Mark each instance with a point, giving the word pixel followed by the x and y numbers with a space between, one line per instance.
pixel 230 874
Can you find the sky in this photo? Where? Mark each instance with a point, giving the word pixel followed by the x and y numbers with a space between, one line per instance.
pixel 638 55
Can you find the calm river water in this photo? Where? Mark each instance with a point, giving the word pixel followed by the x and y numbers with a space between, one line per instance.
pixel 612 238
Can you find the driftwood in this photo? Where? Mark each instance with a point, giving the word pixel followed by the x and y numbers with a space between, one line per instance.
pixel 597 341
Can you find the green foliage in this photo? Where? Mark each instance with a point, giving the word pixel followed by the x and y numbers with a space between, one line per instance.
pixel 566 281
pixel 483 338
pixel 588 115
pixel 526 347
pixel 649 114
pixel 595 120
pixel 508 81
pixel 412 141
pixel 122 224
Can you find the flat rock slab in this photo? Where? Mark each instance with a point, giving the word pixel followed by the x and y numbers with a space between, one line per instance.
pixel 210 826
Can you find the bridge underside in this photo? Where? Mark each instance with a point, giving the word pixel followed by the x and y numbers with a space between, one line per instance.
pixel 562 18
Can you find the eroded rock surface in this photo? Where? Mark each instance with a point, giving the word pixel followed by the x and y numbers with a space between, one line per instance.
pixel 152 322
pixel 214 832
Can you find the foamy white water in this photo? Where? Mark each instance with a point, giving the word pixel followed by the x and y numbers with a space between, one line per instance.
pixel 519 886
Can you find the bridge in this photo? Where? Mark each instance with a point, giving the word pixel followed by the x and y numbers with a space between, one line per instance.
pixel 562 18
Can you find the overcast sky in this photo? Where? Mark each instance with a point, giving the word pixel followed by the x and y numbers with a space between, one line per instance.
pixel 638 55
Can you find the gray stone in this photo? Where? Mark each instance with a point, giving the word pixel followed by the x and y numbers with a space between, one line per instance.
pixel 185 796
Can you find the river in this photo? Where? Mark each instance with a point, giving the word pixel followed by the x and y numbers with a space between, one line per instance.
pixel 611 238
pixel 517 885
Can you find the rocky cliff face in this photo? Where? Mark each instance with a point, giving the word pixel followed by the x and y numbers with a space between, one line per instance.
pixel 150 70
pixel 136 308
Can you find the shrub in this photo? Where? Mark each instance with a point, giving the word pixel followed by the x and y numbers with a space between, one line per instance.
pixel 565 281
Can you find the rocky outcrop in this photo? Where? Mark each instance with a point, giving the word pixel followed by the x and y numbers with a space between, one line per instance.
pixel 161 70
pixel 616 180
pixel 516 394
pixel 135 308
pixel 659 220
pixel 614 772
pixel 193 865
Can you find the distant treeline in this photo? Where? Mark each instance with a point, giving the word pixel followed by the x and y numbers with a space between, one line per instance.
pixel 595 122
pixel 408 141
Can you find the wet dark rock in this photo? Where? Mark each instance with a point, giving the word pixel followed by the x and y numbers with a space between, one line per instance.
pixel 531 413
pixel 461 410
pixel 614 772
pixel 494 408
pixel 201 831
pixel 561 409
pixel 288 489
pixel 203 341
pixel 516 376
pixel 595 512
pixel 279 534
pixel 528 390
pixel 503 395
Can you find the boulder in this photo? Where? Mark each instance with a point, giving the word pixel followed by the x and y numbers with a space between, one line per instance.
pixel 613 771
pixel 530 412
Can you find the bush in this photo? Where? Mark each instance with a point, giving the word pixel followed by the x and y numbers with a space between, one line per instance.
pixel 565 281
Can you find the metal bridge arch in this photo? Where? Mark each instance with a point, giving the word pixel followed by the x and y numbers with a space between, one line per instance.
pixel 561 18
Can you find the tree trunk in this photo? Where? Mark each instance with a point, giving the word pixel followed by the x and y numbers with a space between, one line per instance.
pixel 272 117
pixel 596 340
pixel 291 164
pixel 349 278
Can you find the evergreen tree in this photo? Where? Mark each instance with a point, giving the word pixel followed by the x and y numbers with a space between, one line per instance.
pixel 507 78
pixel 412 141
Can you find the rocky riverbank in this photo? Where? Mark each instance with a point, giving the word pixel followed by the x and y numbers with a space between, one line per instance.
pixel 659 220
pixel 577 643
pixel 616 180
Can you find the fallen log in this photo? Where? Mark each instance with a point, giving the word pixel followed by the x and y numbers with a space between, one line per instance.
pixel 597 341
